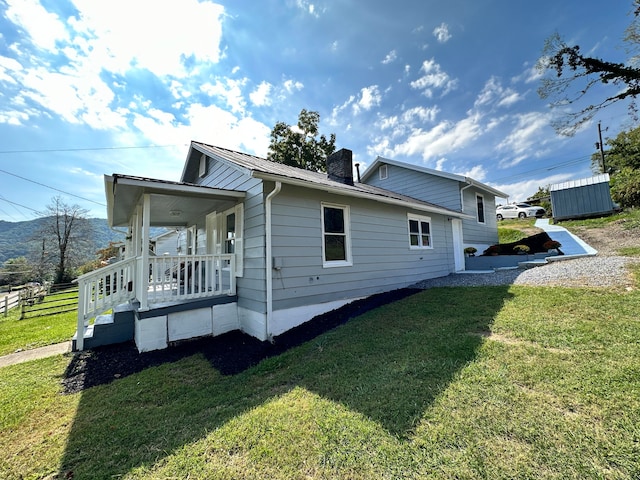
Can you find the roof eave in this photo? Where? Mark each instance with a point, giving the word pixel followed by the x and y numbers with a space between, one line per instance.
pixel 357 194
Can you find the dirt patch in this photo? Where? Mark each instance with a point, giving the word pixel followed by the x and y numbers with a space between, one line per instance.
pixel 609 239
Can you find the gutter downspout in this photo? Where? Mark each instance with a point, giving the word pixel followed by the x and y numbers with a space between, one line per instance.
pixel 269 259
pixel 462 196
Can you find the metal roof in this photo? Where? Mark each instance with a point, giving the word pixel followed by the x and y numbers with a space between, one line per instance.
pixel 583 182
pixel 272 171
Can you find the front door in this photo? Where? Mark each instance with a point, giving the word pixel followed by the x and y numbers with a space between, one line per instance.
pixel 458 248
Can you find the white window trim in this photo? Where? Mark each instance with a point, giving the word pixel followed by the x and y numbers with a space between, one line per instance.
pixel 484 209
pixel 420 218
pixel 347 233
pixel 383 172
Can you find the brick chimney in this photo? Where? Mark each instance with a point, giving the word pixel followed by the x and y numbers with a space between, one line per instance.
pixel 340 166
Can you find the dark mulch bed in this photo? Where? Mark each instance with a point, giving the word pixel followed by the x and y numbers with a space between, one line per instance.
pixel 534 242
pixel 230 353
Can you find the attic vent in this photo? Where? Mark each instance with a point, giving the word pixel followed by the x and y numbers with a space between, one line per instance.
pixel 382 172
pixel 202 171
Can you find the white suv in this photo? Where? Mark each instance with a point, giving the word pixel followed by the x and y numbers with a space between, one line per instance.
pixel 519 210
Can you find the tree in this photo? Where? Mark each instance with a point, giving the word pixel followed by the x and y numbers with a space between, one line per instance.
pixel 297 145
pixel 624 152
pixel 543 198
pixel 66 228
pixel 573 75
pixel 625 187
pixel 16 271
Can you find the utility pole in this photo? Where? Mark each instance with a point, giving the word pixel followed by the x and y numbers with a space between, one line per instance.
pixel 599 144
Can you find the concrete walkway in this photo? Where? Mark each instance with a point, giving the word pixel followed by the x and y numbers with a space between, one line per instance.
pixel 35 354
pixel 572 246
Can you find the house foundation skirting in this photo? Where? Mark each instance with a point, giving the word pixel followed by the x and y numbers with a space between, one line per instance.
pixel 157 332
pixel 288 318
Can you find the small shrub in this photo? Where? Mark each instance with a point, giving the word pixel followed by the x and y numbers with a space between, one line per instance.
pixel 521 249
pixel 471 251
pixel 551 244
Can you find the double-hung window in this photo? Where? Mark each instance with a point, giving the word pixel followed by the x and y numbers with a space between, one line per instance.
pixel 336 238
pixel 419 232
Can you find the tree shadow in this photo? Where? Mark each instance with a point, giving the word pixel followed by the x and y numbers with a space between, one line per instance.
pixel 389 366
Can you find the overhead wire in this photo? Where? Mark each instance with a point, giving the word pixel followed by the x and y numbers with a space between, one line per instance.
pixel 52 188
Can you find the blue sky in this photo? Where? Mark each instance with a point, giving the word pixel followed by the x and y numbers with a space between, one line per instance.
pixel 90 87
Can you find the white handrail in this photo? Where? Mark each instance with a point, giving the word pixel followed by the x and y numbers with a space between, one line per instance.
pixel 101 290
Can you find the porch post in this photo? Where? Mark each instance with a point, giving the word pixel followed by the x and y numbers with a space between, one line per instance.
pixel 143 267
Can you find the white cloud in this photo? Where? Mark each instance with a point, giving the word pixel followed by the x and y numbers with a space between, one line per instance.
pixel 423 114
pixel 510 97
pixel 291 85
pixel 260 96
pixel 433 78
pixel 228 90
pixel 494 93
pixel 527 138
pixel 308 7
pixel 477 172
pixel 369 97
pixel 441 32
pixel 391 56
pixel 44 28
pixel 443 139
pixel 168 34
pixel 520 191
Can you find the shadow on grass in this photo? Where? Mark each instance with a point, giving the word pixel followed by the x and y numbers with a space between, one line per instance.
pixel 388 364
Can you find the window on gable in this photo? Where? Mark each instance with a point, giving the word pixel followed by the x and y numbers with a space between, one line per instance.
pixel 382 172
pixel 336 241
pixel 419 232
pixel 202 170
pixel 480 208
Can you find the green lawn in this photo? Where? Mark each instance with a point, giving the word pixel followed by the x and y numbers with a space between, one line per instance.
pixel 484 382
pixel 16 334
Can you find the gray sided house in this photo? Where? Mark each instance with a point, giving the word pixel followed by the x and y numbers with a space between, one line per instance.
pixel 586 197
pixel 265 247
pixel 456 192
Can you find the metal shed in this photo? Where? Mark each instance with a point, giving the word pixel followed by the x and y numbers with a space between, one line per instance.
pixel 582 198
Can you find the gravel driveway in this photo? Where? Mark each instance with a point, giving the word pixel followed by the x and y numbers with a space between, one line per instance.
pixel 606 271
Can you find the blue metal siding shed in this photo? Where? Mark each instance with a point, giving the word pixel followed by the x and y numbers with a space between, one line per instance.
pixel 582 198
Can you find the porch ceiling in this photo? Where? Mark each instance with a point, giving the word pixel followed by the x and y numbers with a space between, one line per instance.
pixel 172 204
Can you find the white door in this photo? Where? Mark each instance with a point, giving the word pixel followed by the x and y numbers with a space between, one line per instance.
pixel 458 249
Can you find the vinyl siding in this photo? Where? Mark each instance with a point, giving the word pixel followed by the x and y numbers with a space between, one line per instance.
pixel 474 232
pixel 429 188
pixel 444 192
pixel 251 286
pixel 382 259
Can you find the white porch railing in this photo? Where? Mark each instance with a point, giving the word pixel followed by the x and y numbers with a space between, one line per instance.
pixel 179 277
pixel 171 278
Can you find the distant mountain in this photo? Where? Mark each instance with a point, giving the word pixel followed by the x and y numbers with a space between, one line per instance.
pixel 19 239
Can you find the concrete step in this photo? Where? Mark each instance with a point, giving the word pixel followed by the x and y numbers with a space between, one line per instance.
pixel 532 263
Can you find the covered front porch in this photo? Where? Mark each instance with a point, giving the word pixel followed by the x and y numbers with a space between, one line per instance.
pixel 153 285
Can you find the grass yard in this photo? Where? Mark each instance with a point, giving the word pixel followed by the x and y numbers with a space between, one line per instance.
pixel 35 332
pixel 483 382
pixel 513 230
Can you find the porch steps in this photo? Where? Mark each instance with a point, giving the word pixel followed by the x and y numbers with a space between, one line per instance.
pixel 107 329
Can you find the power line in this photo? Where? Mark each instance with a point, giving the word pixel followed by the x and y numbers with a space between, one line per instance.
pixel 53 188
pixel 20 205
pixel 553 167
pixel 54 150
